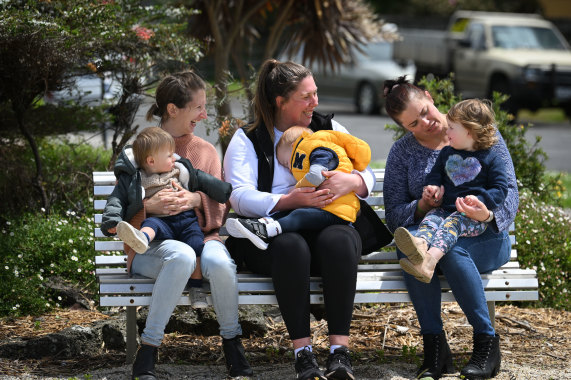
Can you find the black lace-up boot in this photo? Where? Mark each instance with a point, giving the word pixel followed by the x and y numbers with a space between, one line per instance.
pixel 437 357
pixel 486 358
pixel 144 365
pixel 235 356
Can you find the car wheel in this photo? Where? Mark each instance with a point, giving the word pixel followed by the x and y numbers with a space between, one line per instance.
pixel 366 99
pixel 502 85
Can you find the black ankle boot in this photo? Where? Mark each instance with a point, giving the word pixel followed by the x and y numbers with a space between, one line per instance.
pixel 236 361
pixel 486 358
pixel 437 357
pixel 144 365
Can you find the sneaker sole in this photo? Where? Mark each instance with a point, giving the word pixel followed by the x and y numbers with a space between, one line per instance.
pixel 340 375
pixel 128 234
pixel 405 242
pixel 236 229
pixel 409 268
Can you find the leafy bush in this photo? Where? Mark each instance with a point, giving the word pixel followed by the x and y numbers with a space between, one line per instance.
pixel 544 244
pixel 67 167
pixel 36 249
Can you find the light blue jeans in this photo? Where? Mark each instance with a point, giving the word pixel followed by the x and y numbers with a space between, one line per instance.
pixel 171 263
pixel 461 266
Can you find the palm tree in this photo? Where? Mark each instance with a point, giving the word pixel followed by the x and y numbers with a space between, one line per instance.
pixel 325 30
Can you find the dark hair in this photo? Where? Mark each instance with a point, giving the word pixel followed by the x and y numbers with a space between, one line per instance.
pixel 275 79
pixel 478 117
pixel 398 94
pixel 177 89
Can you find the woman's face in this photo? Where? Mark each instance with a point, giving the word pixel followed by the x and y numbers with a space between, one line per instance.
pixel 184 119
pixel 298 109
pixel 422 118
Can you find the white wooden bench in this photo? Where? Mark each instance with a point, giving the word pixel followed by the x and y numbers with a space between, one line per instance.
pixel 379 280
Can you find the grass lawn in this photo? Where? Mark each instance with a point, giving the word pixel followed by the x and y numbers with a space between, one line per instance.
pixel 553 115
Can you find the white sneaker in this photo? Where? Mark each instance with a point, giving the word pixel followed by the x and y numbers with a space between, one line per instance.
pixel 197 298
pixel 133 237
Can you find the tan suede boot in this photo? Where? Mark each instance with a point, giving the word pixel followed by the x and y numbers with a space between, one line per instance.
pixel 422 272
pixel 414 248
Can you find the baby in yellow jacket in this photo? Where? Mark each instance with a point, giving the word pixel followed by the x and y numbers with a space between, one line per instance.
pixel 308 155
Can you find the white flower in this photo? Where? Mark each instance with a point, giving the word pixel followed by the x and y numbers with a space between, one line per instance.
pixel 79 270
pixel 74 250
pixel 74 258
pixel 11 234
pixel 70 241
pixel 6 267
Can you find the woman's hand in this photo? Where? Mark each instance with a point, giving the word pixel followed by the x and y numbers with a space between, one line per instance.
pixel 340 183
pixel 304 197
pixel 171 202
pixel 473 208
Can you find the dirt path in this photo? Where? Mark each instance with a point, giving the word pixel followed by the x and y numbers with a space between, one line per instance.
pixel 384 341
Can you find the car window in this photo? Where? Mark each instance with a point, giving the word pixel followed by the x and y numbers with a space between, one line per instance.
pixel 475 35
pixel 380 51
pixel 525 37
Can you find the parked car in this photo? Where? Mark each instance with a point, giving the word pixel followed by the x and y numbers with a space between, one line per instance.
pixel 88 90
pixel 522 55
pixel 361 82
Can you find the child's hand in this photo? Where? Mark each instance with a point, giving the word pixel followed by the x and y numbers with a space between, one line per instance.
pixel 112 230
pixel 433 194
pixel 470 200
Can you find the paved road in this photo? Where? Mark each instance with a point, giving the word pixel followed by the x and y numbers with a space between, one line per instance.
pixel 556 138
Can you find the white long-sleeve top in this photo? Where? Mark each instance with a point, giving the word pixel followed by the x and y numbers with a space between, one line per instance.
pixel 241 170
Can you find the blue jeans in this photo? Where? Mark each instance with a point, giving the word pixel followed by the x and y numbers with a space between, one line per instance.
pixel 308 218
pixel 461 266
pixel 171 263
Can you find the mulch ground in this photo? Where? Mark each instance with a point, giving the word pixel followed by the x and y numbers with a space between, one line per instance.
pixel 382 333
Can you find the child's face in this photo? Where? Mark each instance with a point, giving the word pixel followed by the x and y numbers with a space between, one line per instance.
pixel 459 137
pixel 284 156
pixel 162 161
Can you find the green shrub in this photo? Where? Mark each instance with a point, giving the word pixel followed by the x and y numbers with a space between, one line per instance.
pixel 37 248
pixel 67 175
pixel 544 244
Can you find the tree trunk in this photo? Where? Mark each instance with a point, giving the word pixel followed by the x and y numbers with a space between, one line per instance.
pixel 37 181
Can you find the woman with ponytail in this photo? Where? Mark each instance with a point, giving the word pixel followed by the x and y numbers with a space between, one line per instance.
pixel 180 103
pixel 286 96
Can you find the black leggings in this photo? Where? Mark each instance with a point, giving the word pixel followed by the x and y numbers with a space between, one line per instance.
pixel 291 258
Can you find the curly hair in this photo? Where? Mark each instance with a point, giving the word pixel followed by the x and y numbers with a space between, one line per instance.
pixel 478 117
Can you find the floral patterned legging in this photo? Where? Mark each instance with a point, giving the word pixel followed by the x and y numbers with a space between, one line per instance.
pixel 442 231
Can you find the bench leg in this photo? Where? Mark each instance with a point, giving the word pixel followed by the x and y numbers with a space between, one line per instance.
pixel 492 312
pixel 131 334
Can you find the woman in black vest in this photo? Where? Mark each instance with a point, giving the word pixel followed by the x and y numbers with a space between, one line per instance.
pixel 286 95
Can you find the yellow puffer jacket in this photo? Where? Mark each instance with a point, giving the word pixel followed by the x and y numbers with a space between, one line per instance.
pixel 352 153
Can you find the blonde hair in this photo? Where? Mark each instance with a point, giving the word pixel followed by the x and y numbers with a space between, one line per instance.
pixel 290 135
pixel 478 118
pixel 150 141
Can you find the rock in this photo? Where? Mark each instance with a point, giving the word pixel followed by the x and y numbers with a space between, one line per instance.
pixel 68 343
